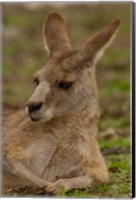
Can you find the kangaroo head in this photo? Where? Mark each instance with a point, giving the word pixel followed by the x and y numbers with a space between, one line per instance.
pixel 66 84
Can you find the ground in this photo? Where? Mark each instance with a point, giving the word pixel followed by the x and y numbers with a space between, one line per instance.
pixel 23 54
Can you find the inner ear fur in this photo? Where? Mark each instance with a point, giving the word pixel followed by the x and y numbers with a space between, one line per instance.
pixel 94 47
pixel 55 35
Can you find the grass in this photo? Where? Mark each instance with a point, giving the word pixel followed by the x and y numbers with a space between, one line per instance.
pixel 23 54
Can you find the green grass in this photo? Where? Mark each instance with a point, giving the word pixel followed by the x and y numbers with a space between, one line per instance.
pixel 23 54
pixel 123 143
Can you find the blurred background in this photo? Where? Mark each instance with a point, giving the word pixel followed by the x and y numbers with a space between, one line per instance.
pixel 24 54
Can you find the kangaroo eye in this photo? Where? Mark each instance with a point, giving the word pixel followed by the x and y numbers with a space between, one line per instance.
pixel 35 82
pixel 65 85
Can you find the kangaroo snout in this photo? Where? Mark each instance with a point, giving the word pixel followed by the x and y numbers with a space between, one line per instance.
pixel 32 110
pixel 35 111
pixel 34 107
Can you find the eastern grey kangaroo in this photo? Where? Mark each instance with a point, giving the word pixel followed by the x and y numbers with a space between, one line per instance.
pixel 53 144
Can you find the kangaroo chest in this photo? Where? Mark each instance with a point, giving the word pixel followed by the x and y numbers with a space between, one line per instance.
pixel 52 158
pixel 49 153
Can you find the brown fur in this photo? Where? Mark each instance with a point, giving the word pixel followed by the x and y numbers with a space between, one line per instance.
pixel 60 148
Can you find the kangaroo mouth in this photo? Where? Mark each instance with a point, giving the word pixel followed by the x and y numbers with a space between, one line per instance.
pixel 35 119
pixel 38 116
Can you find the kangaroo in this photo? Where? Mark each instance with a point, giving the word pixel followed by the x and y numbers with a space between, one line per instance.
pixel 53 144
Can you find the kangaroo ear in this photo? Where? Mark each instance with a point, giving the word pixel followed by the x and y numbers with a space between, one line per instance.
pixel 55 35
pixel 92 50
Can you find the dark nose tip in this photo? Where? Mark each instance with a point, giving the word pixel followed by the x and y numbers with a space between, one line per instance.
pixel 33 107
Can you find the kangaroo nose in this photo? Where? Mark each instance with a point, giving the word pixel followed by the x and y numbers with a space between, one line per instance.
pixel 33 107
